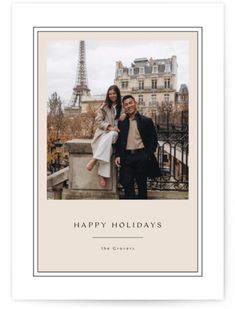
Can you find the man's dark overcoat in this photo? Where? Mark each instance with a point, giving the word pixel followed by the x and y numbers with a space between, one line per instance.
pixel 149 137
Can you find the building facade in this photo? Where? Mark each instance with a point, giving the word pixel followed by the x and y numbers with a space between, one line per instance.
pixel 153 82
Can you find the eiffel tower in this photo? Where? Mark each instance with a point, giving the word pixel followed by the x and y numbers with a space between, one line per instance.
pixel 81 85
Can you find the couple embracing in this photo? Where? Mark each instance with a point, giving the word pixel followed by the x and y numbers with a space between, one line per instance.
pixel 135 139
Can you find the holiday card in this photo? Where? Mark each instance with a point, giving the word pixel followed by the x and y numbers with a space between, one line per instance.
pixel 86 220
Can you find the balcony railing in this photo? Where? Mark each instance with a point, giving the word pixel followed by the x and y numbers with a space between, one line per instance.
pixel 152 89
pixel 161 106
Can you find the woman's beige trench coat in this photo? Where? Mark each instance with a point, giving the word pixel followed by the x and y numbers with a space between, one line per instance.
pixel 105 117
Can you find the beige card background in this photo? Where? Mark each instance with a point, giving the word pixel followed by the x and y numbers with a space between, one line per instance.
pixel 59 247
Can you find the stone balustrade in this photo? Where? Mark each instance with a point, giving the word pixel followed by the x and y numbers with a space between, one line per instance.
pixel 56 181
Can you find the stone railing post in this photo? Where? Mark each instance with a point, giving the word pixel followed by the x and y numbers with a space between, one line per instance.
pixel 58 189
pixel 56 180
pixel 83 184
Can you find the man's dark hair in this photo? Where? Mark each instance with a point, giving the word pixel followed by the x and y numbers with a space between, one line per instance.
pixel 128 96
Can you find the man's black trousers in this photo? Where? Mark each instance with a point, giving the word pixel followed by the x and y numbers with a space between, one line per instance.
pixel 134 169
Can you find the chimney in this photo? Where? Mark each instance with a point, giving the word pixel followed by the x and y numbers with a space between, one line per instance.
pixel 119 65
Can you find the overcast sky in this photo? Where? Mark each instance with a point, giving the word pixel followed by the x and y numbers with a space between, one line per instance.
pixel 101 57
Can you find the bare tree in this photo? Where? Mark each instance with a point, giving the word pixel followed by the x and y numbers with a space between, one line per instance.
pixel 55 117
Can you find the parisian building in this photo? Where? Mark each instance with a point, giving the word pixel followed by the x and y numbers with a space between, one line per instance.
pixel 153 84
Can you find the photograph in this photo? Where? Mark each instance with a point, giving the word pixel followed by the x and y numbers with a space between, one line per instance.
pixel 118 118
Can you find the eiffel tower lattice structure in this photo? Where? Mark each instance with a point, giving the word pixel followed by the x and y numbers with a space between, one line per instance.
pixel 81 83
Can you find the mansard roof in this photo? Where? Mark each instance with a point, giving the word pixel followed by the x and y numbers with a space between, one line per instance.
pixel 140 60
pixel 183 88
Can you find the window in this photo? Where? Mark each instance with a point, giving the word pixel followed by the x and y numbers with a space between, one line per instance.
pixel 154 70
pixel 120 72
pixel 154 84
pixel 167 83
pixel 141 84
pixel 124 84
pixel 168 68
pixel 161 68
pixel 166 97
pixel 141 70
pixel 153 98
pixel 141 99
pixel 131 71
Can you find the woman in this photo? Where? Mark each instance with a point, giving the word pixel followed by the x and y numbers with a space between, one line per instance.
pixel 106 133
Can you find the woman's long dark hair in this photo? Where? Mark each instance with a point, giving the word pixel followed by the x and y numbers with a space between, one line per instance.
pixel 118 103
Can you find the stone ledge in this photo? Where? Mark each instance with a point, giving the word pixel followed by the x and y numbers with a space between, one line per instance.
pixel 91 195
pixel 78 146
pixel 168 195
pixel 83 184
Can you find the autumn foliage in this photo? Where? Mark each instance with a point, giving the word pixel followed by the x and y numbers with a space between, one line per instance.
pixel 63 127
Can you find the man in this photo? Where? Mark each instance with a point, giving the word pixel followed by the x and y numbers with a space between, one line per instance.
pixel 135 149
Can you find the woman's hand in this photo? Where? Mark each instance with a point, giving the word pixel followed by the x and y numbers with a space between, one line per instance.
pixel 102 105
pixel 113 129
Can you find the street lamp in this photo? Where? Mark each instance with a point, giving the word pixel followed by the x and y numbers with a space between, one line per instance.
pixel 58 144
